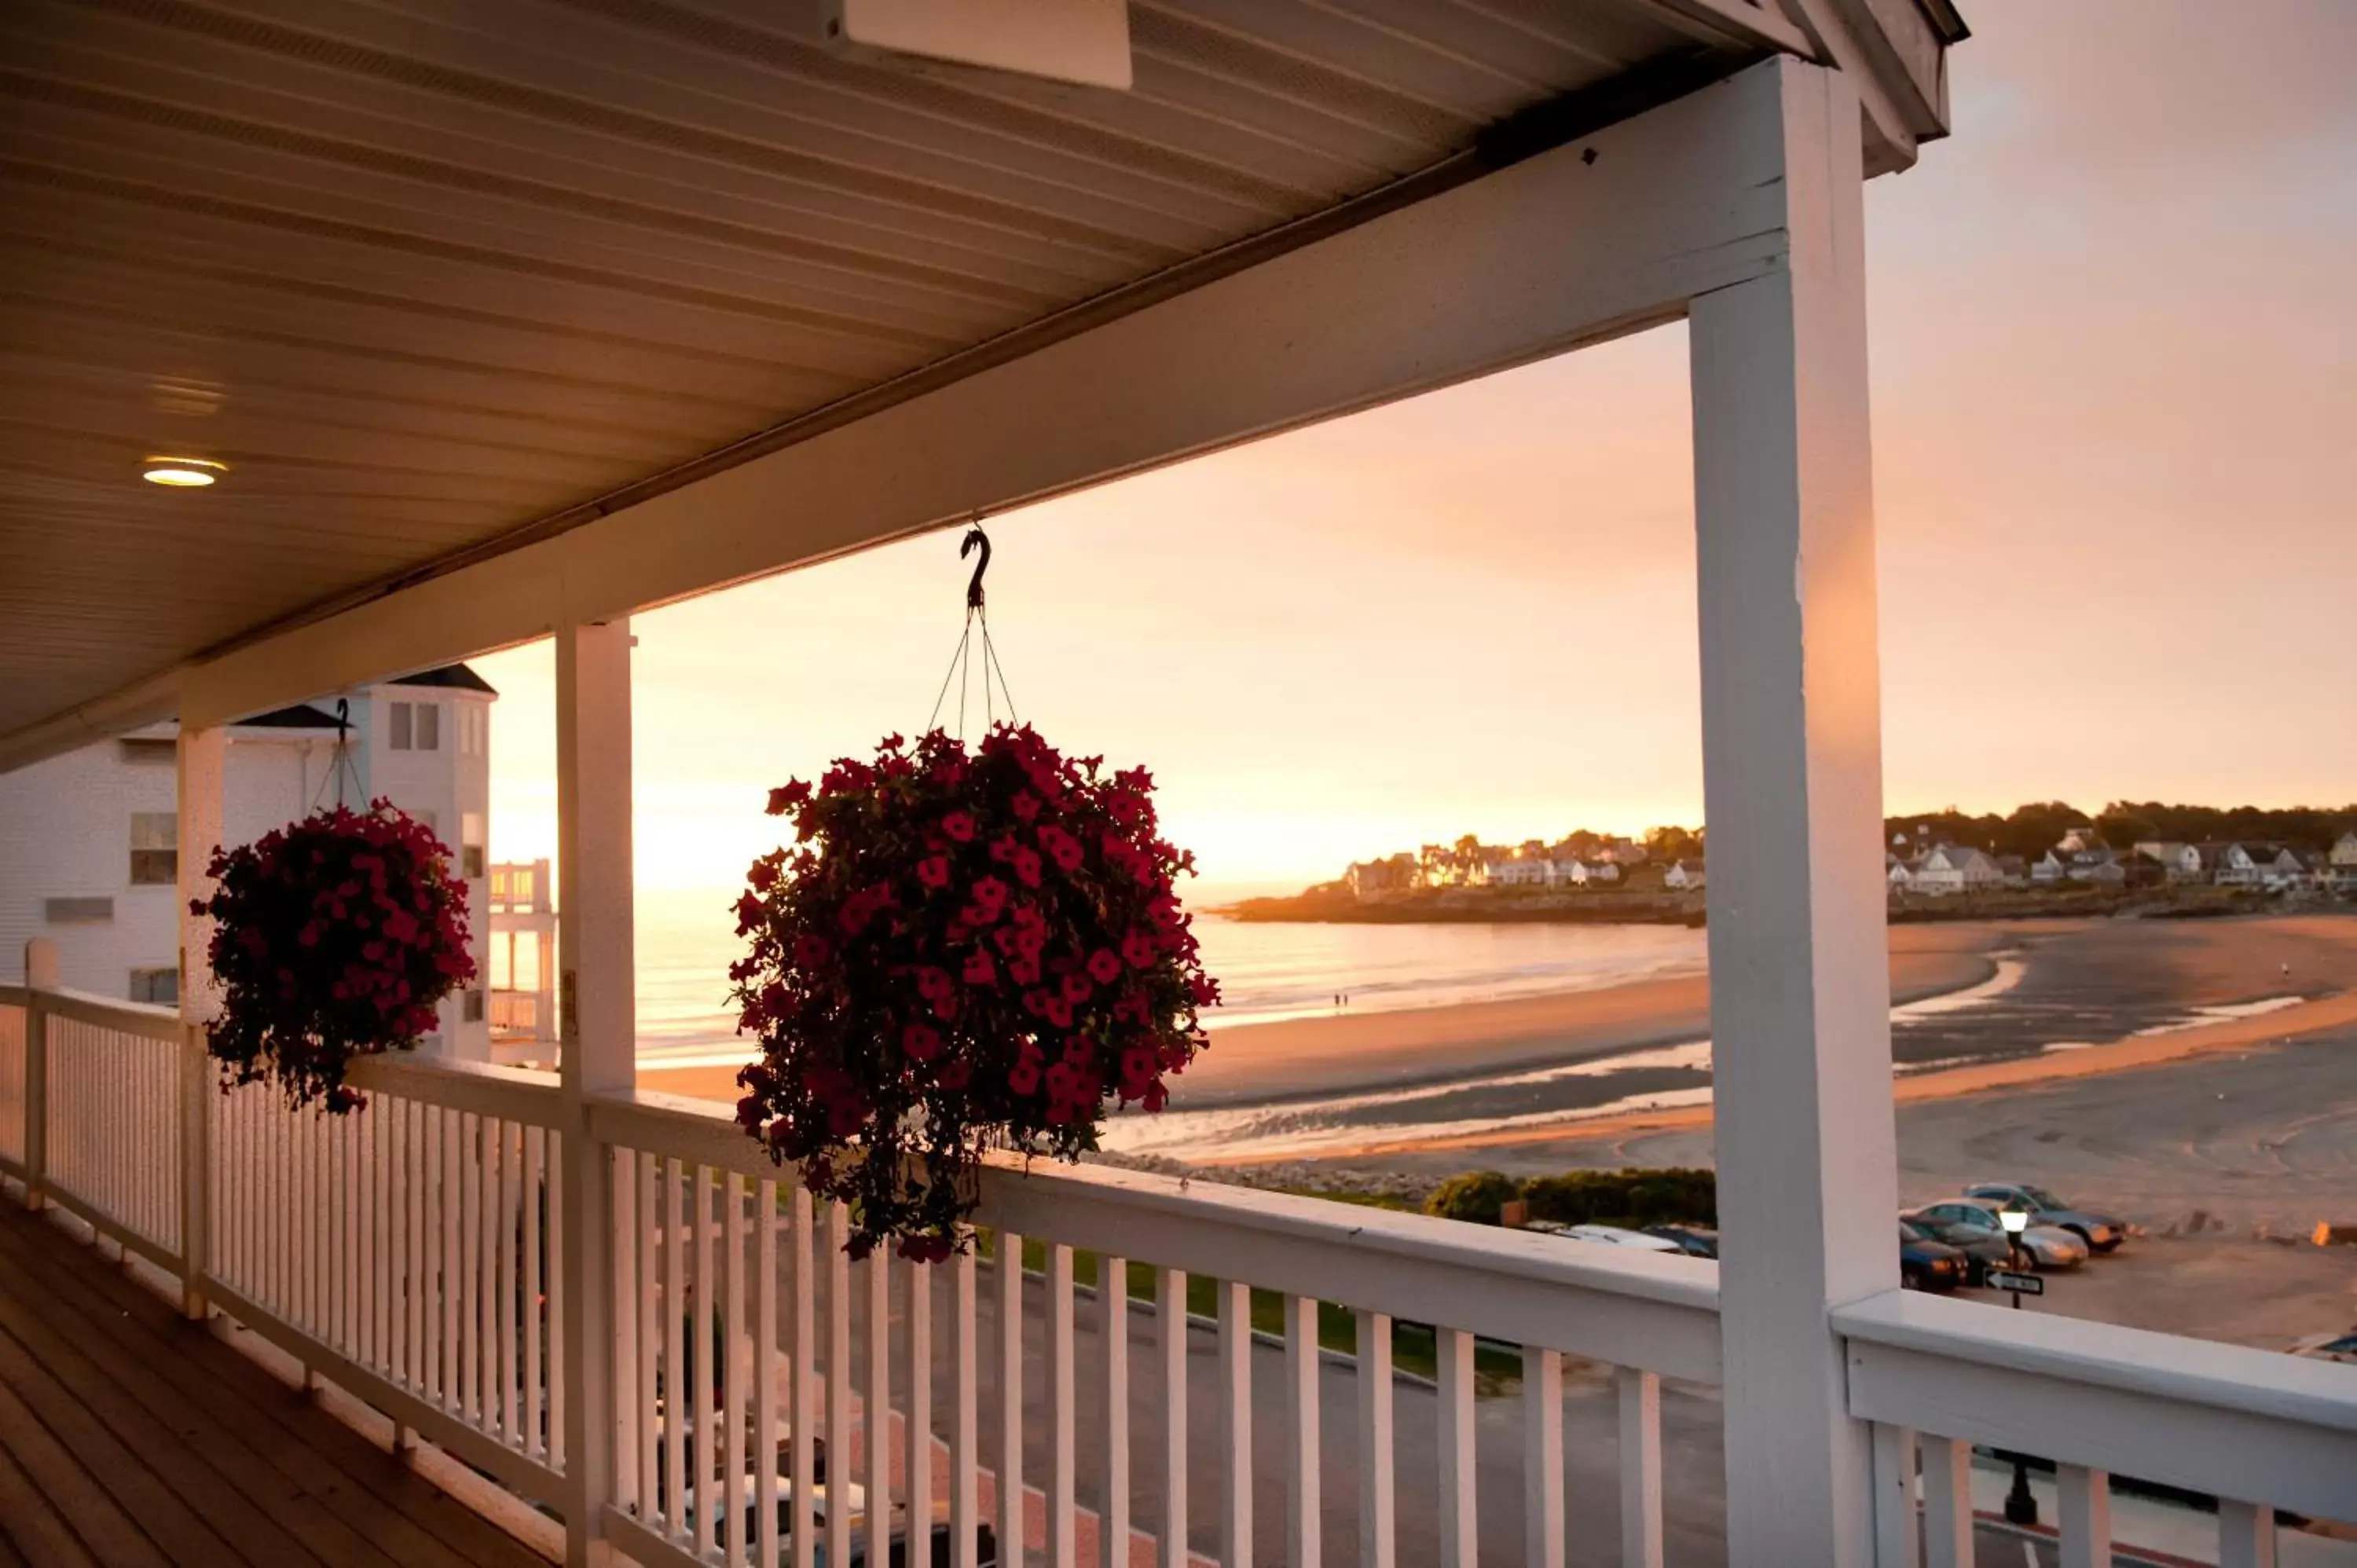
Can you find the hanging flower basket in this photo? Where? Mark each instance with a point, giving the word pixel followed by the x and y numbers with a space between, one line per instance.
pixel 336 937
pixel 963 950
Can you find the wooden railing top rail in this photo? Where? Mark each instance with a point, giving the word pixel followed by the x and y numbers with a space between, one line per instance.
pixel 1633 1309
pixel 511 1093
pixel 2222 1419
pixel 103 1012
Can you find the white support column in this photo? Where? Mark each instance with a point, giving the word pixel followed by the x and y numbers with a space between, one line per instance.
pixel 202 755
pixel 1792 790
pixel 597 1038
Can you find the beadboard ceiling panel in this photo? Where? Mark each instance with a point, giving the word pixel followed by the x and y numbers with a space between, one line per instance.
pixel 429 275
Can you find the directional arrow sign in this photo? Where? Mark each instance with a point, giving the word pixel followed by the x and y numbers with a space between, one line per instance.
pixel 2027 1285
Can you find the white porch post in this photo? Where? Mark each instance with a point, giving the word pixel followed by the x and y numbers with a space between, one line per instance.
pixel 1791 753
pixel 202 755
pixel 597 999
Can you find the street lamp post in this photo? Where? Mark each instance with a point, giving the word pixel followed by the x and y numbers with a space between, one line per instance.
pixel 2021 1508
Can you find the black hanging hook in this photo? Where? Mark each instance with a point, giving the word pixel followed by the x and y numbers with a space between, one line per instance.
pixel 975 537
pixel 343 718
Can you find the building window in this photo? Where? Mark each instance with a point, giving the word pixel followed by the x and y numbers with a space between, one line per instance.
pixel 432 823
pixel 471 1006
pixel 77 911
pixel 429 727
pixel 159 987
pixel 398 740
pixel 154 849
pixel 151 753
pixel 470 845
pixel 472 720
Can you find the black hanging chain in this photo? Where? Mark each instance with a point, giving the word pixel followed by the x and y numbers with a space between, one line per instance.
pixel 342 766
pixel 961 670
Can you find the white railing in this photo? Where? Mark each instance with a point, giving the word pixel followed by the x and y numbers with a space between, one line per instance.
pixel 104 1085
pixel 415 1254
pixel 724 1266
pixel 2257 1431
pixel 407 1251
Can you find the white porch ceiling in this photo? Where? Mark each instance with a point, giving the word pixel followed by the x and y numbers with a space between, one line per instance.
pixel 434 277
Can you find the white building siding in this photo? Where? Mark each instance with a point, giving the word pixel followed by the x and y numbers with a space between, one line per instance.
pixel 66 833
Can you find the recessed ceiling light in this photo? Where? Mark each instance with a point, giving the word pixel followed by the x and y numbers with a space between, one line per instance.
pixel 183 473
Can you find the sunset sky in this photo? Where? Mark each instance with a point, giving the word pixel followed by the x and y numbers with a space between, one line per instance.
pixel 2115 443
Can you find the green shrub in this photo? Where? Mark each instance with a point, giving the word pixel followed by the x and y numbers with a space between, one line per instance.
pixel 1476 1196
pixel 1676 1195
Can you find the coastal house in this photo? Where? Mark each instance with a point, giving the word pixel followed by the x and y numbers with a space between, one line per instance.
pixel 520 977
pixel 2049 868
pixel 2093 863
pixel 2178 862
pixel 2079 842
pixel 2269 867
pixel 1518 870
pixel 1949 868
pixel 1683 876
pixel 2014 870
pixel 90 851
pixel 503 322
pixel 1587 873
pixel 1393 874
pixel 1897 874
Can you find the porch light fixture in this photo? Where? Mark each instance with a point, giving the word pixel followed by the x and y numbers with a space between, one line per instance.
pixel 182 473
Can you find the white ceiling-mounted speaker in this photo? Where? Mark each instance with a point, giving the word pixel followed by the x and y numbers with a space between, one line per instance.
pixel 1083 42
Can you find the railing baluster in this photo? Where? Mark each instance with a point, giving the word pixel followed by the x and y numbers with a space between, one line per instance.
pixel 1236 1422
pixel 1170 1329
pixel 1378 1531
pixel 556 1449
pixel 1947 1503
pixel 511 1423
pixel 705 1477
pixel 536 1176
pixel 803 1417
pixel 677 1401
pixel 1303 1535
pixel 475 1313
pixel 2083 1516
pixel 1007 1274
pixel 1640 1466
pixel 765 1373
pixel 1063 1414
pixel 1898 1540
pixel 1113 1340
pixel 451 1292
pixel 2246 1535
pixel 839 1379
pixel 917 1464
pixel 875 1428
pixel 649 1227
pixel 731 1365
pixel 965 1437
pixel 1543 1542
pixel 1453 1351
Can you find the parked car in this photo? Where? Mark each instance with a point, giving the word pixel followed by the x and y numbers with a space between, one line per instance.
pixel 2044 1246
pixel 2340 1346
pixel 1694 1240
pixel 1926 1264
pixel 2101 1233
pixel 1982 1250
pixel 1609 1235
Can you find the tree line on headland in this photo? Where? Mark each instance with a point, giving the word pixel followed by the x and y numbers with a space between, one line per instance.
pixel 2030 830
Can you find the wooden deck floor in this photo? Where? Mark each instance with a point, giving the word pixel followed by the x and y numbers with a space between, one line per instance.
pixel 132 1438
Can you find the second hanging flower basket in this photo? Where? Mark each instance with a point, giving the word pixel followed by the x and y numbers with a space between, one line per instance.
pixel 336 937
pixel 963 950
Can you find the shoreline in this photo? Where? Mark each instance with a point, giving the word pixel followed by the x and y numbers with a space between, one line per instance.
pixel 2305 1020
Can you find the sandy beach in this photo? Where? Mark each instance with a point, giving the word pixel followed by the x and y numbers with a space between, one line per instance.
pixel 1992 1020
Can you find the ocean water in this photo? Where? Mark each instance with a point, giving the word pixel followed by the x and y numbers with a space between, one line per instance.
pixel 1266 972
